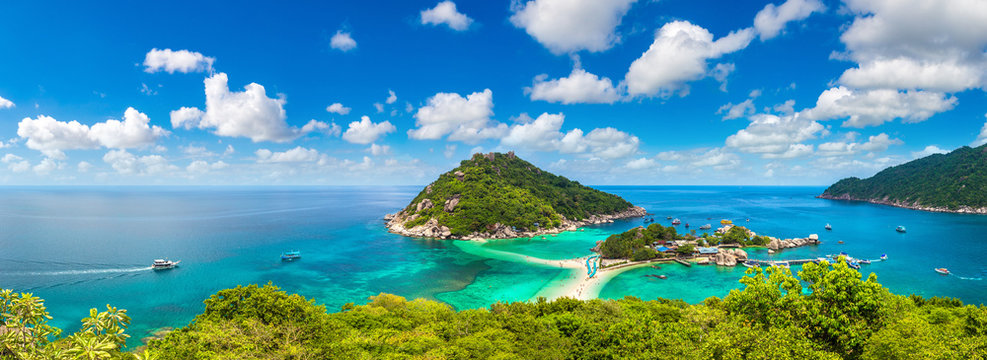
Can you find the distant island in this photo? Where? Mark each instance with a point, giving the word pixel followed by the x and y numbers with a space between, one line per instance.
pixel 498 196
pixel 954 182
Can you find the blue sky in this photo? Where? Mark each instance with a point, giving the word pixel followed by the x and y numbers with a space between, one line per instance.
pixel 795 92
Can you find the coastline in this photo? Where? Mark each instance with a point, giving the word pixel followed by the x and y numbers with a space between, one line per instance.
pixel 432 229
pixel 911 206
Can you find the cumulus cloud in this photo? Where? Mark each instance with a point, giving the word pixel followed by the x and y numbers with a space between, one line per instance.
pixel 450 151
pixel 84 166
pixel 366 131
pixel 330 129
pixel 679 54
pixel 391 97
pixel 342 41
pixel 445 13
pixel 736 111
pixel 641 164
pixel 465 119
pixel 716 158
pixel 378 150
pixel 770 21
pixel 876 143
pixel 774 136
pixel 543 134
pixel 15 163
pixel 202 166
pixel 51 137
pixel 565 26
pixel 5 104
pixel 864 108
pixel 917 44
pixel 929 150
pixel 249 113
pixel 982 137
pixel 337 108
pixel 183 61
pixel 579 87
pixel 129 164
pixel 295 155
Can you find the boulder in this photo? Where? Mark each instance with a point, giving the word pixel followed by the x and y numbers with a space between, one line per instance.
pixel 740 254
pixel 460 175
pixel 814 237
pixel 774 244
pixel 450 204
pixel 428 189
pixel 424 205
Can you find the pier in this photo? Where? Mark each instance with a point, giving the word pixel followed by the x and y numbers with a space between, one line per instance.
pixel 683 262
pixel 790 262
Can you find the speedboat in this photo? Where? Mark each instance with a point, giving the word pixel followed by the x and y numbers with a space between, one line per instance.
pixel 829 227
pixel 884 257
pixel 900 229
pixel 865 261
pixel 686 224
pixel 783 264
pixel 668 218
pixel 161 264
pixel 291 255
pixel 706 227
pixel 943 271
pixel 676 222
pixel 853 265
pixel 750 263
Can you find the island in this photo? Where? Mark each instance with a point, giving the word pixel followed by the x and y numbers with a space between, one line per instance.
pixel 500 196
pixel 954 182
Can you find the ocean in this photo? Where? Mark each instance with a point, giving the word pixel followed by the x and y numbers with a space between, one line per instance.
pixel 85 247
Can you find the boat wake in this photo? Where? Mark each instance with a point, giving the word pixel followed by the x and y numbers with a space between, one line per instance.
pixel 79 272
pixel 967 278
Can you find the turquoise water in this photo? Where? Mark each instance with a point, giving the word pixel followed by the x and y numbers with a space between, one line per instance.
pixel 85 247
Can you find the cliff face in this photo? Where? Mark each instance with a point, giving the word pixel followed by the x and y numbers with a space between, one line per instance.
pixel 501 196
pixel 953 182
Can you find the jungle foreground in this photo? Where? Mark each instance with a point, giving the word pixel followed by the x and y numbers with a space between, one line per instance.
pixel 827 312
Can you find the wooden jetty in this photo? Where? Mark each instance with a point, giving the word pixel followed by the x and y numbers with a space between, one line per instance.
pixel 790 262
pixel 683 262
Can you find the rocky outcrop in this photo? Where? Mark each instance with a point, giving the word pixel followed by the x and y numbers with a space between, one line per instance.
pixel 450 204
pixel 432 229
pixel 726 258
pixel 776 244
pixel 460 175
pixel 424 205
pixel 914 205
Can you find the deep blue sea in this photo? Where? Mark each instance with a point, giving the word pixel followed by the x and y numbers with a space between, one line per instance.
pixel 84 247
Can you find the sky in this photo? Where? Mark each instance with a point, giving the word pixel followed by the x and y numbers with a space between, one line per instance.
pixel 606 92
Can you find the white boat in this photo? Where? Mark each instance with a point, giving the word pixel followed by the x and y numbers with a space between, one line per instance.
pixel 942 271
pixel 829 227
pixel 783 264
pixel 900 229
pixel 161 264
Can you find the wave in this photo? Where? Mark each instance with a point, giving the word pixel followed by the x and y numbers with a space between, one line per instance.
pixel 78 272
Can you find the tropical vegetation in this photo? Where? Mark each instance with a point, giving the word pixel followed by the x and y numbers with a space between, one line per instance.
pixel 503 189
pixel 826 312
pixel 954 180
pixel 637 243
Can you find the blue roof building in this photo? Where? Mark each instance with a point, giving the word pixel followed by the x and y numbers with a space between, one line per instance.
pixel 663 249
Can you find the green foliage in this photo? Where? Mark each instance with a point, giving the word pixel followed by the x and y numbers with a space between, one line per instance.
pixel 686 249
pixel 630 242
pixel 511 192
pixel 940 180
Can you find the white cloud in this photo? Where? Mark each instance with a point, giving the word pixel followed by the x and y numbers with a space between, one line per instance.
pixel 450 151
pixel 249 113
pixel 51 137
pixel 720 72
pixel 716 158
pixel 565 26
pixel 641 164
pixel 342 41
pixel 391 97
pixel 295 155
pixel 935 45
pixel 445 13
pixel 330 129
pixel 982 137
pixel 864 108
pixel 84 166
pixel 15 163
pixel 183 61
pixel 874 144
pixel 338 108
pixel 775 136
pixel 543 134
pixel 731 111
pixel 378 150
pixel 770 21
pixel 46 166
pixel 462 119
pixel 366 131
pixel 229 150
pixel 678 55
pixel 579 87
pixel 5 104
pixel 202 167
pixel 929 150
pixel 129 164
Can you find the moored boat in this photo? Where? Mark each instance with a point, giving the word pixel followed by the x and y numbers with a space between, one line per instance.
pixel 943 271
pixel 750 263
pixel 884 256
pixel 900 229
pixel 706 227
pixel 676 222
pixel 783 264
pixel 162 264
pixel 829 227
pixel 291 255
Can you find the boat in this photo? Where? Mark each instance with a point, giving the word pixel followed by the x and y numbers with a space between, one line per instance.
pixel 900 229
pixel 676 222
pixel 884 256
pixel 668 218
pixel 839 242
pixel 750 263
pixel 663 277
pixel 943 271
pixel 853 265
pixel 829 227
pixel 783 264
pixel 686 224
pixel 865 261
pixel 291 255
pixel 726 222
pixel 161 264
pixel 706 227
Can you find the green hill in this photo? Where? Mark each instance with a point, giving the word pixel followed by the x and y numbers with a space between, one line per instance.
pixel 499 196
pixel 955 182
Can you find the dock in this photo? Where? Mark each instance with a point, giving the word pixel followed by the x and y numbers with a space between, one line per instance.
pixel 790 262
pixel 683 262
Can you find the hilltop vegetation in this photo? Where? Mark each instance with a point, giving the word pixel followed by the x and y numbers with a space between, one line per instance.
pixel 503 189
pixel 634 243
pixel 946 181
pixel 841 316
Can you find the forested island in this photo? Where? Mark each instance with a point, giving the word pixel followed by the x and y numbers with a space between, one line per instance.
pixel 838 315
pixel 496 196
pixel 953 182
